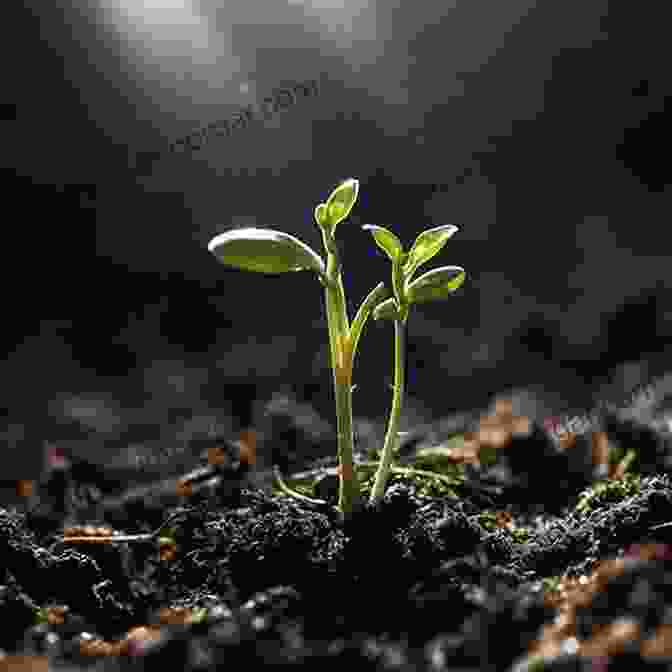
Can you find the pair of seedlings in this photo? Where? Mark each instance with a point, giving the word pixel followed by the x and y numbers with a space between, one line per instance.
pixel 275 252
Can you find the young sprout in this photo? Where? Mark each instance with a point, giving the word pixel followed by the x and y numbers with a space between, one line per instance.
pixel 271 251
pixel 434 285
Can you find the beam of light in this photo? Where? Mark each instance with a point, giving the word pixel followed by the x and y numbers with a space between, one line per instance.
pixel 174 33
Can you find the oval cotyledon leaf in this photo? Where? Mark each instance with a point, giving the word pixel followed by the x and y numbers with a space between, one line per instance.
pixel 264 251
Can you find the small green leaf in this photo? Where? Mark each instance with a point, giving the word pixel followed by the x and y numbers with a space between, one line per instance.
pixel 264 251
pixel 427 245
pixel 321 214
pixel 387 310
pixel 435 284
pixel 340 202
pixel 386 241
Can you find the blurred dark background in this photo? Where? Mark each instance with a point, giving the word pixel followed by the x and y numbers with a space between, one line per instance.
pixel 541 129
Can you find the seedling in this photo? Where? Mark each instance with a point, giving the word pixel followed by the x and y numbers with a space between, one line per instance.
pixel 274 252
pixel 434 285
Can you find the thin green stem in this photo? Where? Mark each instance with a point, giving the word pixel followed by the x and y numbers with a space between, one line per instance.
pixel 392 435
pixel 293 493
pixel 341 361
pixel 409 471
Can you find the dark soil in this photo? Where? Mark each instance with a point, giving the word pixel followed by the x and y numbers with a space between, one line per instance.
pixel 515 565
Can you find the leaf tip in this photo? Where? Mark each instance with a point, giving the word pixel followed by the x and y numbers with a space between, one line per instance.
pixel 215 242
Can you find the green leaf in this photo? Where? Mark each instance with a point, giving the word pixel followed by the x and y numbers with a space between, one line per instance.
pixel 436 284
pixel 386 241
pixel 387 310
pixel 321 214
pixel 427 245
pixel 264 251
pixel 340 203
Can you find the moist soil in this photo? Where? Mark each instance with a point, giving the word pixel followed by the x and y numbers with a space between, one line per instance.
pixel 525 553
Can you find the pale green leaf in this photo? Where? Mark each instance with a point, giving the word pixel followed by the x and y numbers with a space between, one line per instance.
pixel 436 284
pixel 427 245
pixel 340 202
pixel 264 251
pixel 321 214
pixel 386 241
pixel 387 310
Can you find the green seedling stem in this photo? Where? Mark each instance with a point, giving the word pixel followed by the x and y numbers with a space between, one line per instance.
pixel 341 365
pixel 392 434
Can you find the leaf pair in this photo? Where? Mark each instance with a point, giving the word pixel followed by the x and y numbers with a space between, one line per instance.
pixel 338 206
pixel 427 245
pixel 434 285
